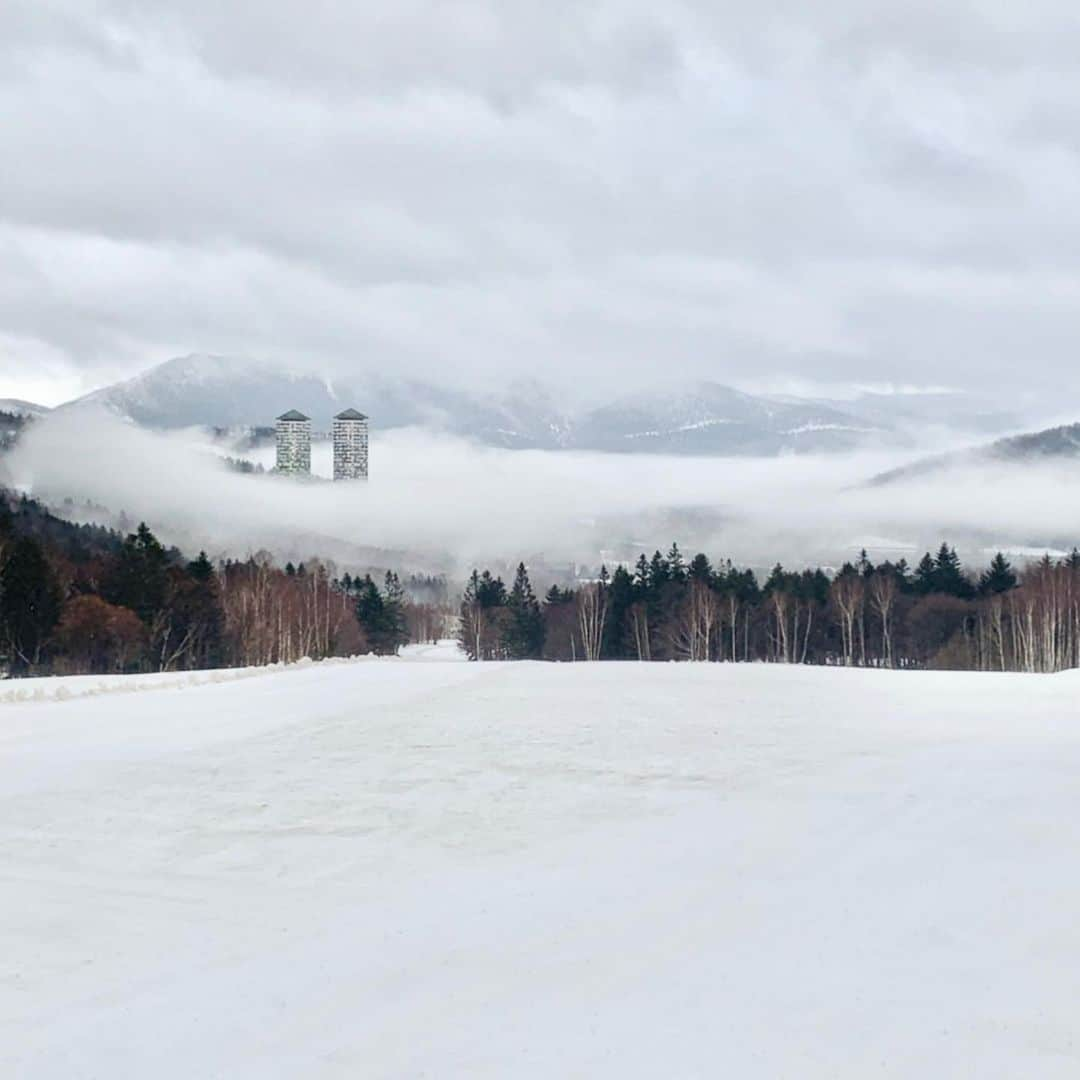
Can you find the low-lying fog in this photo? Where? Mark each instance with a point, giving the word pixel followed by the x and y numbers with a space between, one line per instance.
pixel 435 502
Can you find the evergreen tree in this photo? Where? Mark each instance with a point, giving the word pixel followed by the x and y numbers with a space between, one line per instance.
pixel 30 603
pixel 555 596
pixel 949 577
pixel 381 614
pixel 394 601
pixel 192 616
pixel 902 572
pixel 641 574
pixel 700 570
pixel 371 615
pixel 523 637
pixel 744 584
pixel 778 578
pixel 998 578
pixel 925 576
pixel 815 586
pixel 140 578
pixel 620 596
pixel 491 592
pixel 201 569
pixel 659 571
pixel 676 566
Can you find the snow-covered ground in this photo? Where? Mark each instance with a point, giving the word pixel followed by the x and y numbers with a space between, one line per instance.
pixel 399 869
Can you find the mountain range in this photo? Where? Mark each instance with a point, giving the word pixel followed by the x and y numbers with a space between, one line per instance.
pixel 704 418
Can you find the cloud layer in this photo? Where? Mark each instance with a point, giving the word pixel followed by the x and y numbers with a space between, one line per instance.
pixel 845 192
pixel 434 502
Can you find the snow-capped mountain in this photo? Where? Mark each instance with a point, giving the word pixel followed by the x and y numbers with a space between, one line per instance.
pixel 230 392
pixel 705 418
pixel 221 391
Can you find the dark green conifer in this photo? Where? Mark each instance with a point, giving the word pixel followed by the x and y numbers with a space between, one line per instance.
pixel 523 637
pixel 140 578
pixel 701 570
pixel 999 578
pixel 30 602
pixel 925 581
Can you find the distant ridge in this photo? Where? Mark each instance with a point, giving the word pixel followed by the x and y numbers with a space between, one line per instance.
pixel 1057 443
pixel 703 418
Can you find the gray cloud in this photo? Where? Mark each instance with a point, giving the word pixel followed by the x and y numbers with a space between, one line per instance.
pixel 838 192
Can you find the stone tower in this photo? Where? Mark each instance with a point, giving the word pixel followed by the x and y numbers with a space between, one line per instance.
pixel 293 430
pixel 350 445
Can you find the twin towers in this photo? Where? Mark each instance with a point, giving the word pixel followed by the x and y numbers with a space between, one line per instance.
pixel 350 434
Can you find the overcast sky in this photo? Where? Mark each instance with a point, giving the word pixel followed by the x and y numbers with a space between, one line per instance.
pixel 774 195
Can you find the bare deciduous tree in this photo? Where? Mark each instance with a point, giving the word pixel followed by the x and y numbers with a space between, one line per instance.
pixel 592 613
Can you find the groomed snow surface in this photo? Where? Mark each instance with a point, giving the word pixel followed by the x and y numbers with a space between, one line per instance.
pixel 401 869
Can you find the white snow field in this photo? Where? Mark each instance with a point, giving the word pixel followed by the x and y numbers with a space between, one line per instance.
pixel 396 869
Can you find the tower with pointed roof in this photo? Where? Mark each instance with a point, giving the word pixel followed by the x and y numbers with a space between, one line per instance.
pixel 350 445
pixel 293 430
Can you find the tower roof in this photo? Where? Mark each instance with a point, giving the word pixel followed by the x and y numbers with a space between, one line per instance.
pixel 292 414
pixel 350 414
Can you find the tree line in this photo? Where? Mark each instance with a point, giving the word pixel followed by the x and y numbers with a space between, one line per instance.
pixel 886 615
pixel 84 600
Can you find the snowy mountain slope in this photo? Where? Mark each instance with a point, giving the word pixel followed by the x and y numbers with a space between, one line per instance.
pixel 708 418
pixel 526 415
pixel 1053 444
pixel 387 869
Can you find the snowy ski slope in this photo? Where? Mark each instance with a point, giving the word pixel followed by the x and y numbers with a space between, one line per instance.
pixel 404 869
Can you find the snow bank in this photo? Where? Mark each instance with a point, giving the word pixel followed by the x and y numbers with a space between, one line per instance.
pixel 64 688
